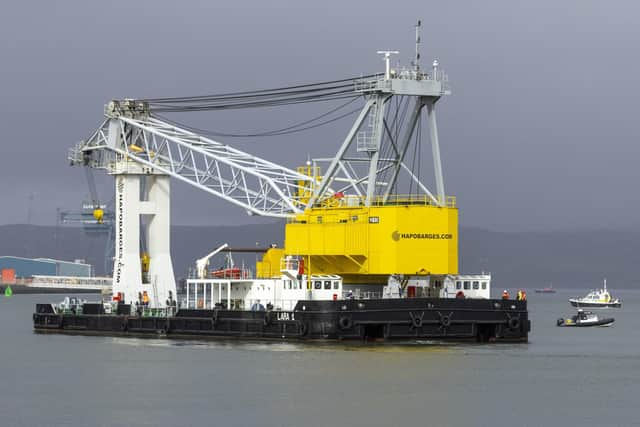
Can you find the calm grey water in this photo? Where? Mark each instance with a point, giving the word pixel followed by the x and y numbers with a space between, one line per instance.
pixel 563 377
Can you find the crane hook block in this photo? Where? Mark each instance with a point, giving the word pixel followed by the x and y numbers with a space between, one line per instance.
pixel 98 214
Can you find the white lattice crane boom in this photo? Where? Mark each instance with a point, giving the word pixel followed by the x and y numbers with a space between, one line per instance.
pixel 259 186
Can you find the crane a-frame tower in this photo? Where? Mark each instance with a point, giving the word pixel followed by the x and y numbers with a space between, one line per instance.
pixel 345 214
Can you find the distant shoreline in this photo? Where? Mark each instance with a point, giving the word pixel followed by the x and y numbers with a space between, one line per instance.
pixel 22 289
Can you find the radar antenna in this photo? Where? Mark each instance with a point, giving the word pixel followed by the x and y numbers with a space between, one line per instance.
pixel 387 55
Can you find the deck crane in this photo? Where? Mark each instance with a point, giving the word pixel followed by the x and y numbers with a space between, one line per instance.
pixel 345 213
pixel 203 263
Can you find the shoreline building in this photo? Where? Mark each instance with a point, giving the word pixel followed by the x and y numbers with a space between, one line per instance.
pixel 15 269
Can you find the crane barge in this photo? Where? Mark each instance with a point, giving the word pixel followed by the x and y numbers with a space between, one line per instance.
pixel 370 252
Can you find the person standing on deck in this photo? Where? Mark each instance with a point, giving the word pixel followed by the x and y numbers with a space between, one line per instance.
pixel 145 299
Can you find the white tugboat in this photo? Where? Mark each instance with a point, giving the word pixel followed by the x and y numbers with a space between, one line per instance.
pixel 600 298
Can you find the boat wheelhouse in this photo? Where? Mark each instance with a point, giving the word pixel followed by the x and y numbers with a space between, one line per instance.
pixel 278 294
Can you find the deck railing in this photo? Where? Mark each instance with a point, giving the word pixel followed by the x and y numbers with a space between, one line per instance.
pixel 351 201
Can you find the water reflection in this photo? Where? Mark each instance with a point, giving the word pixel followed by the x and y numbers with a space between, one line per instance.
pixel 276 346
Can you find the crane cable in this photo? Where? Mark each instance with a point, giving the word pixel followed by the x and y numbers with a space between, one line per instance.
pixel 298 127
pixel 281 96
pixel 297 99
pixel 314 92
pixel 241 98
pixel 262 92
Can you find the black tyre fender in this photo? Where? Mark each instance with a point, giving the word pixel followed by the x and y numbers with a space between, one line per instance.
pixel 124 325
pixel 345 322
pixel 35 316
pixel 416 321
pixel 386 332
pixel 268 318
pixel 214 319
pixel 445 321
pixel 514 323
pixel 165 327
pixel 560 321
pixel 304 329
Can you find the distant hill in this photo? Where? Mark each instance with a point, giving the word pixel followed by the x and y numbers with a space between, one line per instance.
pixel 187 242
pixel 516 259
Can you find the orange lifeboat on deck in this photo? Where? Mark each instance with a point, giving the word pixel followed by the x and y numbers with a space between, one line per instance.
pixel 228 273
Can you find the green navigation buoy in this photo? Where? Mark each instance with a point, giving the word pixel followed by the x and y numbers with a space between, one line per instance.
pixel 8 292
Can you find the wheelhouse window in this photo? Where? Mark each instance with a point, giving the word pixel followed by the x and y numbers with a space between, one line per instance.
pixel 336 284
pixel 317 284
pixel 327 285
pixel 484 285
pixel 467 285
pixel 458 285
pixel 476 285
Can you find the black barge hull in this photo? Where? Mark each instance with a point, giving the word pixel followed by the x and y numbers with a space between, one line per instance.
pixel 384 319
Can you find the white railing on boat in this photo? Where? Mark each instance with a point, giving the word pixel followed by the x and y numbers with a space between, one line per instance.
pixel 238 304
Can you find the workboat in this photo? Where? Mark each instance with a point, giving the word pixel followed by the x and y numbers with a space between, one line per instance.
pixel 600 298
pixel 584 319
pixel 547 290
pixel 369 252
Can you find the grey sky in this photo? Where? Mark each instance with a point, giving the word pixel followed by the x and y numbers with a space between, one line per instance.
pixel 540 133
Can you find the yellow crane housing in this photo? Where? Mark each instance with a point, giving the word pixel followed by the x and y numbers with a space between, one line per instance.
pixel 403 236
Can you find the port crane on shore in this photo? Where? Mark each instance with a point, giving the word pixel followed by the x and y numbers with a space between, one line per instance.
pixel 345 214
pixel 96 218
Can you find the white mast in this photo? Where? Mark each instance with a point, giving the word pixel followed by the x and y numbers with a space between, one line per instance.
pixel 416 60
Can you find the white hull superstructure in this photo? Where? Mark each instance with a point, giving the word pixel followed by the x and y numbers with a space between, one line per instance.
pixel 283 292
pixel 600 298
